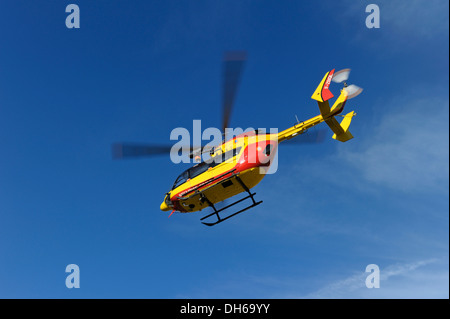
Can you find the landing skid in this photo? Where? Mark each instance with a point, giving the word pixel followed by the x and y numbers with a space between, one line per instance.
pixel 217 211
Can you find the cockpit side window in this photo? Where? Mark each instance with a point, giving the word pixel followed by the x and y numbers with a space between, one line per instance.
pixel 203 167
pixel 198 169
pixel 213 161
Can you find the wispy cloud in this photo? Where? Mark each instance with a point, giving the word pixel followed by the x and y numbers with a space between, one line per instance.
pixel 408 149
pixel 420 279
pixel 396 281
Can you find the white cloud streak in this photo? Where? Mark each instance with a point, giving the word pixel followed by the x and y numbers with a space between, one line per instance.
pixel 409 148
pixel 396 281
pixel 426 278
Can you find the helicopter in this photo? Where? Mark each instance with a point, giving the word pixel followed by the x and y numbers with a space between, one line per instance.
pixel 240 162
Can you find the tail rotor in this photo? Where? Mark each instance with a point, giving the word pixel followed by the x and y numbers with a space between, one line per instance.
pixel 342 76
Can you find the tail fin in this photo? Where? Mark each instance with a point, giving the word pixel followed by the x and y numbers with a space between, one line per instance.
pixel 322 93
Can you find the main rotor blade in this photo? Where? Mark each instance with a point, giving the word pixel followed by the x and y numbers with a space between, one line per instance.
pixel 129 150
pixel 132 150
pixel 309 137
pixel 233 64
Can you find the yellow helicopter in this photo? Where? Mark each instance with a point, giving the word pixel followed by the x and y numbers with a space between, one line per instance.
pixel 239 163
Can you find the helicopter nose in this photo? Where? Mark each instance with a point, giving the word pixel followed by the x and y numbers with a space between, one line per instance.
pixel 164 207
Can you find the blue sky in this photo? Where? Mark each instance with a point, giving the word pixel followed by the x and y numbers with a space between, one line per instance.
pixel 137 69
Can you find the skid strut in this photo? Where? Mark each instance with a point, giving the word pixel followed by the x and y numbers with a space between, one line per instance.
pixel 216 212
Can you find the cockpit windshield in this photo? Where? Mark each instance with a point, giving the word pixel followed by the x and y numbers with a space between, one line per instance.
pixel 204 166
pixel 181 179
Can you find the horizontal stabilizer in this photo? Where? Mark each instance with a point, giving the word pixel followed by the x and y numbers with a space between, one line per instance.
pixel 341 132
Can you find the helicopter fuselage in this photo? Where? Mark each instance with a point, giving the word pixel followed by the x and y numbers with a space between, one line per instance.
pixel 247 156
